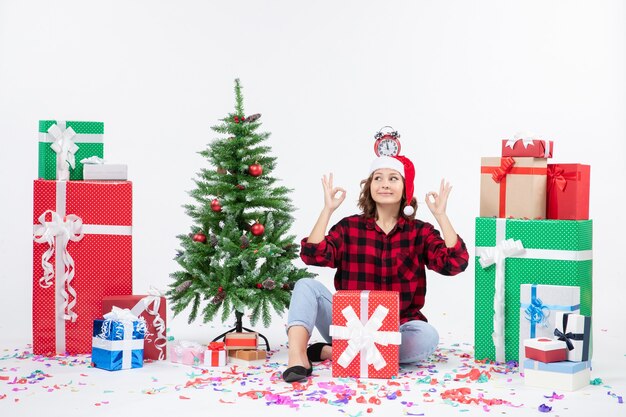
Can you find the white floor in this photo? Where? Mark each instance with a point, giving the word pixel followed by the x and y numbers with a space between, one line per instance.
pixel 68 387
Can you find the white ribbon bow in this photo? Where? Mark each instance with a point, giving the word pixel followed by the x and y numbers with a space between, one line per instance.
pixel 93 160
pixel 362 338
pixel 64 230
pixel 123 339
pixel 497 256
pixel 154 300
pixel 526 138
pixel 65 149
pixel 120 314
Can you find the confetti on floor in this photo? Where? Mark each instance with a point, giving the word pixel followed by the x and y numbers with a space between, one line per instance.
pixel 451 378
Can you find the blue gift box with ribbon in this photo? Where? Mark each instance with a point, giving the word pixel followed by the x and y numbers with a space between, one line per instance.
pixel 118 343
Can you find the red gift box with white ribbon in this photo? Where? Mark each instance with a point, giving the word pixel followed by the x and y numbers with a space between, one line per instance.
pixel 151 308
pixel 82 252
pixel 366 336
pixel 527 145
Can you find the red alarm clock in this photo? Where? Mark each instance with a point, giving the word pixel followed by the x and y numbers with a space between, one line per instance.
pixel 387 142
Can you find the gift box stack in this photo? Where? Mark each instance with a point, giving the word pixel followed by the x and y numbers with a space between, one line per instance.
pixel 533 229
pixel 82 250
pixel 560 362
pixel 244 346
pixel 365 331
pixel 150 308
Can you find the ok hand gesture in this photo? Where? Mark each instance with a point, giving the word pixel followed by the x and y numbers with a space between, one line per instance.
pixel 437 202
pixel 331 200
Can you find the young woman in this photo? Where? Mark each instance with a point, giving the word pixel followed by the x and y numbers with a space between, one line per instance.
pixel 385 249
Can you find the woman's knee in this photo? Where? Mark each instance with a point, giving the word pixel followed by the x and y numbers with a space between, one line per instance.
pixel 419 340
pixel 303 283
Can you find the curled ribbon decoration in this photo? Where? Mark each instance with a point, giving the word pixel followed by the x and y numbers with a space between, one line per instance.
pixel 362 338
pixel 151 305
pixel 120 314
pixel 64 230
pixel 526 139
pixel 65 149
pixel 506 164
pixel 537 312
pixel 497 256
pixel 124 316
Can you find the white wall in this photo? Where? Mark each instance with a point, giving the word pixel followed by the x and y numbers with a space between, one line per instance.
pixel 454 77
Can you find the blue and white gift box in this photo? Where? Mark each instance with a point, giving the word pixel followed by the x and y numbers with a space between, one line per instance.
pixel 118 341
pixel 539 305
pixel 565 375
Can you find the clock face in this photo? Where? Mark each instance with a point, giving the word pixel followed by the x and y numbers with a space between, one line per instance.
pixel 388 147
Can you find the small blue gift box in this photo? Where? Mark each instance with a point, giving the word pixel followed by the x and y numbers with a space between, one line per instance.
pixel 117 344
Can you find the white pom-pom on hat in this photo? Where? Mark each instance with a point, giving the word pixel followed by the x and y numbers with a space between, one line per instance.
pixel 408 210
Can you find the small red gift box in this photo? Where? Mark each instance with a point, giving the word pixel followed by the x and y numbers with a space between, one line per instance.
pixel 545 350
pixel 519 146
pixel 152 309
pixel 82 252
pixel 568 192
pixel 215 354
pixel 365 331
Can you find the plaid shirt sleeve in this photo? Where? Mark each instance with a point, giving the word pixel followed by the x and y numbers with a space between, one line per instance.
pixel 441 259
pixel 325 253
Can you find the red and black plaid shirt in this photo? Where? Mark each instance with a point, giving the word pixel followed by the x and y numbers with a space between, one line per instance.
pixel 368 259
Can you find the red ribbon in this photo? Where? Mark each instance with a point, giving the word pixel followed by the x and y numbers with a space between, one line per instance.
pixel 558 177
pixel 498 174
pixel 216 346
pixel 506 164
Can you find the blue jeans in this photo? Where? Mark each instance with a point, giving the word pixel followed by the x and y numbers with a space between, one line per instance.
pixel 311 306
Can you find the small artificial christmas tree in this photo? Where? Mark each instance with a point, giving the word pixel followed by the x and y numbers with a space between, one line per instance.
pixel 238 255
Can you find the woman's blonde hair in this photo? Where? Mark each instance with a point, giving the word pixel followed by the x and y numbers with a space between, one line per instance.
pixel 368 205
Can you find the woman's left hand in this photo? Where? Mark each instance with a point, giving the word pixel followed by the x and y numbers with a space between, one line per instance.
pixel 437 202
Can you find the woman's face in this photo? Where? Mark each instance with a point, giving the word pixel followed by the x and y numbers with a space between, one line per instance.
pixel 387 186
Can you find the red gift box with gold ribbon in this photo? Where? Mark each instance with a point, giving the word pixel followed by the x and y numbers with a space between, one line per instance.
pixel 568 191
pixel 366 336
pixel 82 252
pixel 513 187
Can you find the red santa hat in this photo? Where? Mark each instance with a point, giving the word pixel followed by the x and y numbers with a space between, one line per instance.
pixel 405 167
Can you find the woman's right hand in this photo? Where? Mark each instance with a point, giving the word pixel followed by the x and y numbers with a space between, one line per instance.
pixel 331 200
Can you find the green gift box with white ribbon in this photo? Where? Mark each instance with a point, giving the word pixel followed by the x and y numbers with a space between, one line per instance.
pixel 63 144
pixel 511 252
